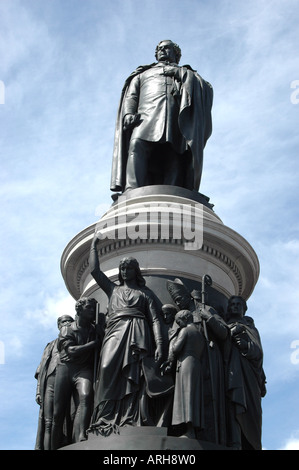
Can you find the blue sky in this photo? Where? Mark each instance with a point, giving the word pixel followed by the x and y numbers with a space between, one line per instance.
pixel 63 64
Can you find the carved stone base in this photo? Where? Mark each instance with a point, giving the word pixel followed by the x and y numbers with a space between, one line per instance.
pixel 133 438
pixel 155 225
pixel 173 233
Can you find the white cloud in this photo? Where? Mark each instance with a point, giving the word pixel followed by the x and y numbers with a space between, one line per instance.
pixel 273 306
pixel 292 443
pixel 53 307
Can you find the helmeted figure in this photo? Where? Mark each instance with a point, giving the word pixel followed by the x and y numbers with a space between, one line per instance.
pixel 163 124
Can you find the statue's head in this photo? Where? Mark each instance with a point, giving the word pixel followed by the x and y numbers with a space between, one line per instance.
pixel 179 293
pixel 168 312
pixel 236 306
pixel 183 318
pixel 64 320
pixel 86 306
pixel 129 270
pixel 168 51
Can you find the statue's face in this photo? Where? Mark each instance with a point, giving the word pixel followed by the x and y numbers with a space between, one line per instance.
pixel 165 52
pixel 182 301
pixel 168 316
pixel 64 321
pixel 236 307
pixel 127 272
pixel 88 311
pixel 181 321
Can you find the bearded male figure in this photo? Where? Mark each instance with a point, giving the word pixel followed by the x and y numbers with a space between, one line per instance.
pixel 164 121
pixel 246 378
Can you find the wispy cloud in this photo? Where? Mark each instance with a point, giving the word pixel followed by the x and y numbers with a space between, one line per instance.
pixel 53 308
pixel 292 443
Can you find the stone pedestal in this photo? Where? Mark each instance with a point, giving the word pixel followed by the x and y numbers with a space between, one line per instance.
pixel 173 233
pixel 133 438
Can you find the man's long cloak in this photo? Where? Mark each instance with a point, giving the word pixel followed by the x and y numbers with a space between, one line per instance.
pixel 195 124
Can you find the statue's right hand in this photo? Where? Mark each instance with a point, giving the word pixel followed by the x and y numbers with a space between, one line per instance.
pixel 129 121
pixel 236 330
pixel 97 237
pixel 38 399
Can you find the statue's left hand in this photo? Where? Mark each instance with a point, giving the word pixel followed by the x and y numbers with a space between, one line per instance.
pixel 205 314
pixel 172 71
pixel 158 353
pixel 166 367
pixel 241 343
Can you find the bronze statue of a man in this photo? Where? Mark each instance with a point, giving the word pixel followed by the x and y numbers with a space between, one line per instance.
pixel 163 123
pixel 246 382
pixel 46 376
pixel 187 350
pixel 76 346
